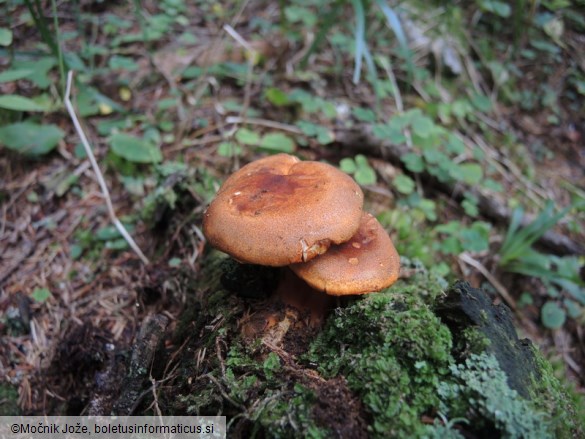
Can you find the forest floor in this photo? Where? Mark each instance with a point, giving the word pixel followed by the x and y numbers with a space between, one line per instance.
pixel 204 88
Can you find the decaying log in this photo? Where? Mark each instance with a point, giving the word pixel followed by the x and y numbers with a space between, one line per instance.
pixel 361 139
pixel 146 344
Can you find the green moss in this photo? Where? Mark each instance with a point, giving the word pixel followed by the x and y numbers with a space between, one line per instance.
pixel 564 405
pixel 393 351
pixel 473 341
pixel 288 415
pixel 8 400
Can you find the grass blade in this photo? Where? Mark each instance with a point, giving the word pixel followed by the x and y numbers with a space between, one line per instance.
pixel 394 23
pixel 360 41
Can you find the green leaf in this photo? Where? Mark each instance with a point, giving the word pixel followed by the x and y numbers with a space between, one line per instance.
pixel 470 207
pixel 429 208
pixel 364 114
pixel 451 227
pixel 434 156
pixel 14 75
pixel 134 149
pixel 5 37
pixel 117 244
pixel 422 126
pixel 107 233
pixel 19 103
pixel 391 132
pixel 40 68
pixel 365 176
pixel 364 173
pixel 573 309
pixel 272 363
pixel 404 184
pixel 321 133
pixel 277 142
pixel 493 185
pixel 496 7
pixel 476 238
pixel 347 165
pixel 117 62
pixel 572 288
pixel 450 246
pixel 470 173
pixel 413 162
pixel 460 108
pixel 75 251
pixel 481 102
pixel 40 295
pixel 29 138
pixel 276 96
pixel 296 14
pixel 174 262
pixel 247 137
pixel 552 315
pixel 90 100
pixel 525 300
pixel 229 149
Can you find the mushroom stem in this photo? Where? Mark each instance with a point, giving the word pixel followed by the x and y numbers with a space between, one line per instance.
pixel 296 293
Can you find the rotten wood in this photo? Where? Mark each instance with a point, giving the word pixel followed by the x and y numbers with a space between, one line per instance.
pixel 146 344
pixel 361 139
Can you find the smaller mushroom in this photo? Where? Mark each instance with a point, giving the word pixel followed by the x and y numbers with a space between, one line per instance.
pixel 366 263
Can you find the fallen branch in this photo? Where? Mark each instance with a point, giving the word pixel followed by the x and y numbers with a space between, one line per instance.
pixel 361 139
pixel 147 342
pixel 98 173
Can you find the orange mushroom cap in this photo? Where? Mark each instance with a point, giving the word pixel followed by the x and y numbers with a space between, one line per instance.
pixel 279 210
pixel 366 263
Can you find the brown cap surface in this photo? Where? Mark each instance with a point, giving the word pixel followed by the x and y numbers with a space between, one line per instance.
pixel 367 262
pixel 279 210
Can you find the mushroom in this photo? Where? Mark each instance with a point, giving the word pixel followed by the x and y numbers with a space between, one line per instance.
pixel 366 263
pixel 279 210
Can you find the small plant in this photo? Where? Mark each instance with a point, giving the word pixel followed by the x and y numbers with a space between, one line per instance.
pixel 558 274
pixel 517 245
pixel 359 168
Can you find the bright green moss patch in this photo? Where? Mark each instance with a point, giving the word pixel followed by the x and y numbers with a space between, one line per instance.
pixel 393 351
pixel 566 408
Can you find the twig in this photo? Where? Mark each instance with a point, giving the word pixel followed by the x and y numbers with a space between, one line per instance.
pixel 263 122
pixel 496 283
pixel 223 392
pixel 98 173
pixel 252 56
pixel 236 36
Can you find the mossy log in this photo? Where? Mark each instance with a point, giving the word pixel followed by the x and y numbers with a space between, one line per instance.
pixel 416 360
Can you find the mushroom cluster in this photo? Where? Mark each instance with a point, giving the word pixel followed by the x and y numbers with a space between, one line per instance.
pixel 280 211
